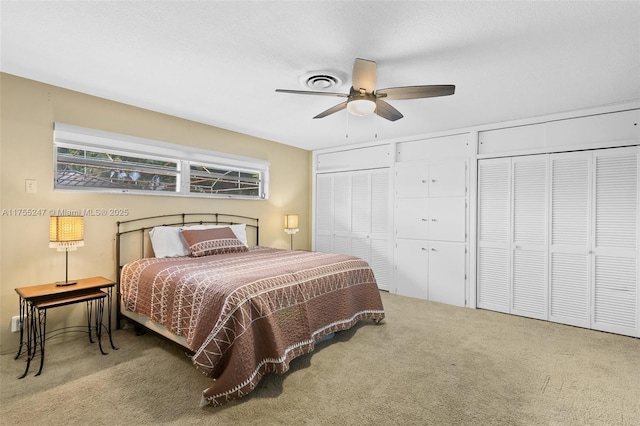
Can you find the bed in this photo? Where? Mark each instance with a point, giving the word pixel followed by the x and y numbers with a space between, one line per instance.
pixel 239 309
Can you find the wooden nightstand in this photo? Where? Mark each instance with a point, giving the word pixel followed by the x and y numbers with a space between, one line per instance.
pixel 36 300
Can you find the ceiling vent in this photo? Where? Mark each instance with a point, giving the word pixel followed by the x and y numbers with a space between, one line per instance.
pixel 320 80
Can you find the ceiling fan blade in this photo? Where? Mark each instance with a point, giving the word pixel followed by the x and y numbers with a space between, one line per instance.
pixel 385 110
pixel 333 109
pixel 307 92
pixel 364 75
pixel 416 92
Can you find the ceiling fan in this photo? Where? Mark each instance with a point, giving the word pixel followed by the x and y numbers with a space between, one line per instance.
pixel 363 99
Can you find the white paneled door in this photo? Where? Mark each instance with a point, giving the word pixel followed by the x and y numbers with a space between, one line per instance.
pixel 431 230
pixel 446 271
pixel 446 219
pixel 412 218
pixel 412 268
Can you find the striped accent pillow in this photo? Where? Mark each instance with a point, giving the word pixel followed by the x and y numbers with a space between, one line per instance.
pixel 206 242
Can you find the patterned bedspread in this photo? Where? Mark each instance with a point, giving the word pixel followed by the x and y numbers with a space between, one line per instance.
pixel 247 314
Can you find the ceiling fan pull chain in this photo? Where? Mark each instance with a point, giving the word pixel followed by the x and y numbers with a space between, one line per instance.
pixel 346 135
pixel 375 136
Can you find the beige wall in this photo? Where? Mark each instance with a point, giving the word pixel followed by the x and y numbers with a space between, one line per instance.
pixel 28 110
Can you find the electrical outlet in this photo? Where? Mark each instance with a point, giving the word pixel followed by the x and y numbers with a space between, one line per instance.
pixel 15 324
pixel 30 185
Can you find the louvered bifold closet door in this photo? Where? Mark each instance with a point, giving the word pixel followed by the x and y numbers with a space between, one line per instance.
pixel 361 215
pixel 493 234
pixel 342 213
pixel 324 213
pixel 381 216
pixel 570 241
pixel 529 257
pixel 615 283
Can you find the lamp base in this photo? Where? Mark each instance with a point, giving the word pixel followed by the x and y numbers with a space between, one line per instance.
pixel 65 283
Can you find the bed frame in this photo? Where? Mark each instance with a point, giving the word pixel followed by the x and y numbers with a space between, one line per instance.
pixel 133 242
pixel 269 311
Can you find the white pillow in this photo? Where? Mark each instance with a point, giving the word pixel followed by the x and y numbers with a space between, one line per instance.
pixel 239 229
pixel 168 242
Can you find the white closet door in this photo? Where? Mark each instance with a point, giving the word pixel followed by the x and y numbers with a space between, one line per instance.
pixel 411 268
pixel 412 218
pixel 380 203
pixel 447 219
pixel 360 215
pixel 353 216
pixel 447 179
pixel 529 259
pixel 381 216
pixel 570 242
pixel 446 272
pixel 412 181
pixel 341 244
pixel 342 203
pixel 324 213
pixel 360 203
pixel 361 247
pixel 493 234
pixel 342 213
pixel 380 262
pixel 615 284
pixel 324 243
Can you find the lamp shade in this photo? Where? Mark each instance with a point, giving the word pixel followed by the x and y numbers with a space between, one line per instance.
pixel 291 223
pixel 66 232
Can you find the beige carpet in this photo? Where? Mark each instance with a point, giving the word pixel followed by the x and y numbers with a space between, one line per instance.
pixel 427 364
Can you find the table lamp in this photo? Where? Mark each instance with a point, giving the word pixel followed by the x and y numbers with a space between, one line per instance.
pixel 66 234
pixel 291 225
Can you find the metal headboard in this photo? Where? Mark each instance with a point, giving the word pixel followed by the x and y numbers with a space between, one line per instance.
pixel 130 229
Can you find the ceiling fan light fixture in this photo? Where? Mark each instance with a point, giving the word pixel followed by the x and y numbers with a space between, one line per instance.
pixel 363 98
pixel 361 107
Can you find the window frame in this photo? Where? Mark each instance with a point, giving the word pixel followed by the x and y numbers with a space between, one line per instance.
pixel 75 137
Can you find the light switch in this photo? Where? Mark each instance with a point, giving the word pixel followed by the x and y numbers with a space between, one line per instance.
pixel 30 185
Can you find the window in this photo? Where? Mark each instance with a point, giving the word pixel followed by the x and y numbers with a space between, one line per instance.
pixel 96 169
pixel 92 160
pixel 217 180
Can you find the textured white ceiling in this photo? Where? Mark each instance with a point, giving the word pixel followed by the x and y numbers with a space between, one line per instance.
pixel 219 62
